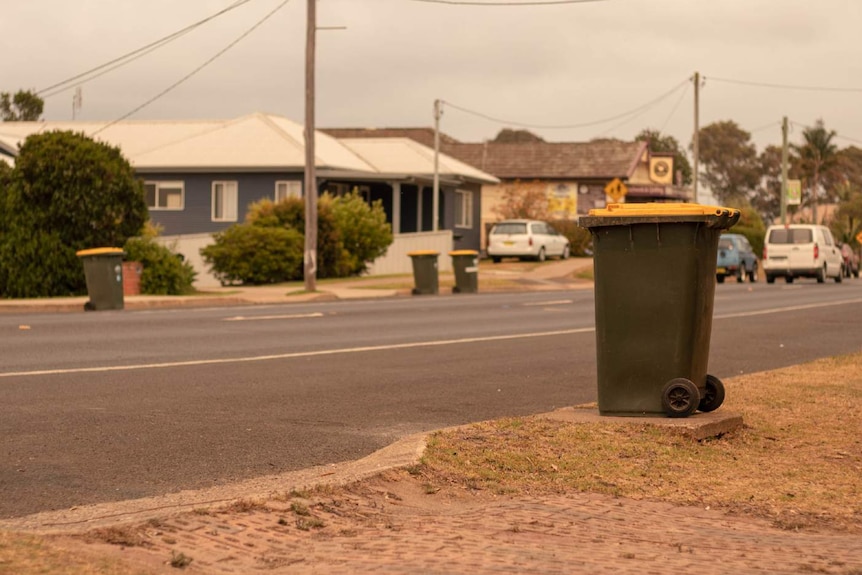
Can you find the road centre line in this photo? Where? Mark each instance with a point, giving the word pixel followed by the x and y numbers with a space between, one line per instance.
pixel 324 352
pixel 786 309
pixel 263 317
pixel 413 345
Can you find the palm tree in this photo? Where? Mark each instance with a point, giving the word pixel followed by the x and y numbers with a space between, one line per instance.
pixel 816 156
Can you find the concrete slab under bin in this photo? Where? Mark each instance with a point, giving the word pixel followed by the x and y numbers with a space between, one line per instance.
pixel 698 426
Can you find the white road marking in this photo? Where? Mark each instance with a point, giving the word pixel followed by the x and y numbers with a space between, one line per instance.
pixel 264 317
pixel 413 345
pixel 786 309
pixel 324 352
pixel 555 302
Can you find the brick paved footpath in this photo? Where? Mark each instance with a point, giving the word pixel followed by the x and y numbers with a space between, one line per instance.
pixel 381 529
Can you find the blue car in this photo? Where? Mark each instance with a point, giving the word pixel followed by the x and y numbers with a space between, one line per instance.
pixel 735 259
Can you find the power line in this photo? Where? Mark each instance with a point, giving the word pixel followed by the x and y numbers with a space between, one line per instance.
pixel 196 70
pixel 675 107
pixel 495 3
pixel 784 86
pixel 129 57
pixel 570 126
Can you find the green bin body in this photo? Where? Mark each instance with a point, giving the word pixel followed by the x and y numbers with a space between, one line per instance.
pixel 654 271
pixel 425 275
pixel 465 264
pixel 103 269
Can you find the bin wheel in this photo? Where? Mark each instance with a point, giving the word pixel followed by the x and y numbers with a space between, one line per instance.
pixel 680 398
pixel 88 306
pixel 719 278
pixel 713 397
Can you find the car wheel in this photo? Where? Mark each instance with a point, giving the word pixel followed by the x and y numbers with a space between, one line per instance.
pixel 567 251
pixel 770 279
pixel 496 259
pixel 839 278
pixel 719 278
pixel 680 398
pixel 752 275
pixel 540 257
pixel 788 279
pixel 740 275
pixel 821 274
pixel 713 397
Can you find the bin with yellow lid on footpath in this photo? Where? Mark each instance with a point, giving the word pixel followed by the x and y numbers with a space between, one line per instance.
pixel 654 271
pixel 425 274
pixel 103 271
pixel 465 265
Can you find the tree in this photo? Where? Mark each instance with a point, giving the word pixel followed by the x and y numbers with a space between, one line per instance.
pixel 729 161
pixel 24 106
pixel 661 143
pixel 817 156
pixel 527 201
pixel 66 193
pixel 510 136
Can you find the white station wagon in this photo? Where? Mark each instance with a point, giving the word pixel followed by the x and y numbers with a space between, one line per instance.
pixel 526 239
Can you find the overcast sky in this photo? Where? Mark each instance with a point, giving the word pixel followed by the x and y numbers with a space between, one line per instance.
pixel 543 65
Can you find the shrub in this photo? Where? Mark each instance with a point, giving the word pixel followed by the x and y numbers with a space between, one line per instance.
pixel 579 238
pixel 751 226
pixel 39 263
pixel 364 231
pixel 165 272
pixel 255 254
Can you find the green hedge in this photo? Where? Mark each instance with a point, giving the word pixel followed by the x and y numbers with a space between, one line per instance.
pixel 165 272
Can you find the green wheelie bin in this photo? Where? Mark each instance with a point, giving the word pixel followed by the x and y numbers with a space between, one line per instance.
pixel 425 274
pixel 654 271
pixel 465 264
pixel 103 271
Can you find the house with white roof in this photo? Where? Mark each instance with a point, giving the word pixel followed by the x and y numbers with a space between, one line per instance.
pixel 201 175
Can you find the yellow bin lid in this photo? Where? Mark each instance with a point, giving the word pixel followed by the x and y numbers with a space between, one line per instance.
pixel 464 253
pixel 423 253
pixel 100 252
pixel 660 209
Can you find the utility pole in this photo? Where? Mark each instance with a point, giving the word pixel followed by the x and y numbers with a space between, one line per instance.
pixel 695 143
pixel 784 170
pixel 436 190
pixel 310 255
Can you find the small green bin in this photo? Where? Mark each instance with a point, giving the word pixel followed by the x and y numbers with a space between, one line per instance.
pixel 103 269
pixel 654 270
pixel 425 273
pixel 465 264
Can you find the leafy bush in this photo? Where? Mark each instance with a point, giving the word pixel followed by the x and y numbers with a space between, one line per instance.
pixel 165 272
pixel 580 240
pixel 65 193
pixel 751 226
pixel 255 254
pixel 350 234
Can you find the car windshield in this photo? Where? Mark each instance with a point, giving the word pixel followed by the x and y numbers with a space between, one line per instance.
pixel 790 236
pixel 510 228
pixel 725 244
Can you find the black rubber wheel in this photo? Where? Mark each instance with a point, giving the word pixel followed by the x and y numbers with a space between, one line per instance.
pixel 680 398
pixel 821 275
pixel 719 278
pixel 496 260
pixel 713 397
pixel 839 278
pixel 740 276
pixel 770 279
pixel 788 279
pixel 752 275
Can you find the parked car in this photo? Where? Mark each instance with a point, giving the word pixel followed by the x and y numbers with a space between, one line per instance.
pixel 851 261
pixel 736 259
pixel 526 239
pixel 801 250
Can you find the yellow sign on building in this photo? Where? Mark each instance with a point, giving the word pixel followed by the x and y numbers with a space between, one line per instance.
pixel 616 190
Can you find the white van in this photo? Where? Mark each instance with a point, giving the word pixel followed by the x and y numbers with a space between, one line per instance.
pixel 801 250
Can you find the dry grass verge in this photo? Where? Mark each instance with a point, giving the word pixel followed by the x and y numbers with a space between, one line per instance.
pixel 797 461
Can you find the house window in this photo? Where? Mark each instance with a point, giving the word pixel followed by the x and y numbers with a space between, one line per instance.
pixel 287 189
pixel 224 201
pixel 165 195
pixel 463 209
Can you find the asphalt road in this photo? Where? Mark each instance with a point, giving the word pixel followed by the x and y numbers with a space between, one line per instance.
pixel 119 405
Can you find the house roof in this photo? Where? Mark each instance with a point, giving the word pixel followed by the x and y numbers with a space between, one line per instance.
pixel 253 142
pixel 600 159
